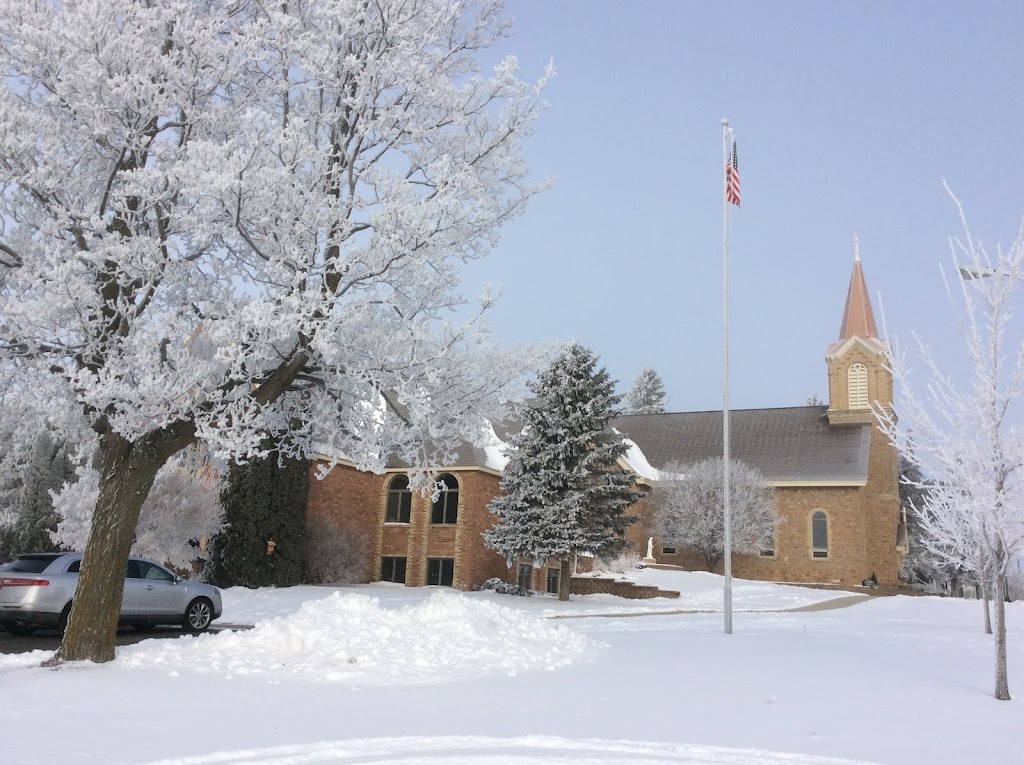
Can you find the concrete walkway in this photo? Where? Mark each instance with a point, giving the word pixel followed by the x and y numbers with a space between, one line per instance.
pixel 826 605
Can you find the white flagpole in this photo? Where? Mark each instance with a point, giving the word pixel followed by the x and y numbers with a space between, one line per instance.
pixel 726 509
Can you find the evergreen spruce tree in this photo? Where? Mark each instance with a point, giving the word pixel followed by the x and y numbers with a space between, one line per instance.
pixel 564 492
pixel 647 395
pixel 263 500
pixel 10 489
pixel 26 480
pixel 47 470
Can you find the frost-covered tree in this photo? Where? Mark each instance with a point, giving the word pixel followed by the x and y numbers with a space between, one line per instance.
pixel 181 512
pixel 688 511
pixel 920 565
pixel 11 460
pixel 32 467
pixel 564 493
pixel 647 396
pixel 240 221
pixel 7 546
pixel 967 433
pixel 46 470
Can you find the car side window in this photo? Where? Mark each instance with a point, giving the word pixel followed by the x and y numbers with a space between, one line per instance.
pixel 75 567
pixel 134 570
pixel 150 571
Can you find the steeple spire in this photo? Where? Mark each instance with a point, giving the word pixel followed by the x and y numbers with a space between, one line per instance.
pixel 858 318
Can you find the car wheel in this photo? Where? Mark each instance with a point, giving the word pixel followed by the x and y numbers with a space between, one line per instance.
pixel 198 615
pixel 20 630
pixel 62 623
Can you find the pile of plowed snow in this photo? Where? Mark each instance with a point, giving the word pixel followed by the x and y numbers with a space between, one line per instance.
pixel 353 638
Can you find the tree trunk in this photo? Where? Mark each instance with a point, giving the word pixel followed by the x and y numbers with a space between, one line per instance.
pixel 127 471
pixel 1002 684
pixel 563 580
pixel 986 592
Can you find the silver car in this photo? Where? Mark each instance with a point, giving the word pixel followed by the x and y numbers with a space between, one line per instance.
pixel 36 591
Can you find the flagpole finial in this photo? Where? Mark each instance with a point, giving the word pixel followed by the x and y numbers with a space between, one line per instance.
pixel 856 250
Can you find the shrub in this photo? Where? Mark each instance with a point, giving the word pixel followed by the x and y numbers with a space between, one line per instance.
pixel 625 563
pixel 503 588
pixel 334 554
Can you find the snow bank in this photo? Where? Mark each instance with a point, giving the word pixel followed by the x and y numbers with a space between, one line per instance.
pixel 344 638
pixel 517 750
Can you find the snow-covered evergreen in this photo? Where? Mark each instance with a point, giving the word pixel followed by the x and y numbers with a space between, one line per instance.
pixel 46 471
pixel 564 491
pixel 30 473
pixel 647 396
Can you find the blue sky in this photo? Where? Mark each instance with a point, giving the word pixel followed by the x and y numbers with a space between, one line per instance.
pixel 848 117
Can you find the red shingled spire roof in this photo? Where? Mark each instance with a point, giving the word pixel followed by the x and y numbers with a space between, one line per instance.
pixel 858 318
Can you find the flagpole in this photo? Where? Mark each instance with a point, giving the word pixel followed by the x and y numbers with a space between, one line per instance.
pixel 726 509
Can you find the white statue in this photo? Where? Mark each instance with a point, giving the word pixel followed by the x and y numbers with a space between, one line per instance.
pixel 650 551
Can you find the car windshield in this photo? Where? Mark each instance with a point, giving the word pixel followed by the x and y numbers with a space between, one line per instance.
pixel 29 564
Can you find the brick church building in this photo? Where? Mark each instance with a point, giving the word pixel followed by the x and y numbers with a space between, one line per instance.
pixel 834 474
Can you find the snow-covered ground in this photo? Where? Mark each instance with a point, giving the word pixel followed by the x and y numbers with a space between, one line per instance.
pixel 384 673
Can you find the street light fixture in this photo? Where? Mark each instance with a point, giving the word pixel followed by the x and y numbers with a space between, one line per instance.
pixel 970 272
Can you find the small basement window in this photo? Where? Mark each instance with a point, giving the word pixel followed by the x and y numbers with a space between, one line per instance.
pixel 441 571
pixel 392 570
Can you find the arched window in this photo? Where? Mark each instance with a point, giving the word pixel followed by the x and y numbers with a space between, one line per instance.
pixel 857 380
pixel 445 508
pixel 819 535
pixel 399 500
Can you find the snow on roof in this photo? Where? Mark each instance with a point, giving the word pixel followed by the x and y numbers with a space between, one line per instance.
pixel 495 450
pixel 637 462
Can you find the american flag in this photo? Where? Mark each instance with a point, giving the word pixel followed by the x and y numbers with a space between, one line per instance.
pixel 732 178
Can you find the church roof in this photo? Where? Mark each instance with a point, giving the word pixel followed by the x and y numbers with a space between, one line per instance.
pixel 788 444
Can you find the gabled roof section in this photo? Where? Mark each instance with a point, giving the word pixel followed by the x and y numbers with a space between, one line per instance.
pixel 790 444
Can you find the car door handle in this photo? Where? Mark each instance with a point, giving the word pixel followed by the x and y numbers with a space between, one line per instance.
pixel 149 587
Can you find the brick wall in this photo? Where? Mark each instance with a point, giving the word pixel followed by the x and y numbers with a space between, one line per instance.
pixel 591 585
pixel 848 516
pixel 352 498
pixel 348 497
pixel 479 564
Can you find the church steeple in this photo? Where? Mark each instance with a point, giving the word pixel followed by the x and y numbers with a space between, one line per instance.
pixel 857 376
pixel 858 318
